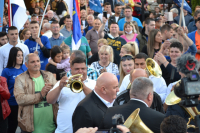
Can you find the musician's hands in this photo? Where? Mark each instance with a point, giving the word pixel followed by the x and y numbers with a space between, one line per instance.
pixel 123 128
pixel 87 130
pixel 63 82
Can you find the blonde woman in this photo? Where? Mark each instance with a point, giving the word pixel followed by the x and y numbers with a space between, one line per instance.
pixel 129 32
pixel 153 44
pixel 105 63
pixel 126 66
pixel 129 48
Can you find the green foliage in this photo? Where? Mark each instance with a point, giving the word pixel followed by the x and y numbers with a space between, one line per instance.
pixel 194 3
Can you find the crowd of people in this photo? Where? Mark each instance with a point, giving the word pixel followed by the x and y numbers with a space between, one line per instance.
pixel 112 58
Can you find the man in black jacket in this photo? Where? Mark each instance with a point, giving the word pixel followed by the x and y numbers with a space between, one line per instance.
pixel 141 94
pixel 124 96
pixel 90 111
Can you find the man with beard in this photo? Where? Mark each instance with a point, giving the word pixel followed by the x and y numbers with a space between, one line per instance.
pixel 3 38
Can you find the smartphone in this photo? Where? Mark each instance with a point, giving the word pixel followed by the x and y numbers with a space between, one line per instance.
pixel 105 14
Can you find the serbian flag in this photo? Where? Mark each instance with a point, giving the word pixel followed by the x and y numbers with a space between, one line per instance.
pixel 76 38
pixel 17 13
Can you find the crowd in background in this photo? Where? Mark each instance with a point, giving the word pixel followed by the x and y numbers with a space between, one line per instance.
pixel 112 55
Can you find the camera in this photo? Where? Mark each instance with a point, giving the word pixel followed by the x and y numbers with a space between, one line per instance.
pixel 117 119
pixel 188 89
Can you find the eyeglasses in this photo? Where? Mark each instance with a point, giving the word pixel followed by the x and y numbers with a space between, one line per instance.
pixel 127 57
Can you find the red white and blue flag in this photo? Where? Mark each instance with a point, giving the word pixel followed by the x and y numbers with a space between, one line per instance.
pixel 74 11
pixel 17 13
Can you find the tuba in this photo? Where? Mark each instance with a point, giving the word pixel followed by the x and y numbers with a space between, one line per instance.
pixel 75 85
pixel 172 99
pixel 153 68
pixel 135 124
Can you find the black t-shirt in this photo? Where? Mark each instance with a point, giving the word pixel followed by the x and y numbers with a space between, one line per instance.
pixel 82 7
pixel 59 72
pixel 144 50
pixel 116 44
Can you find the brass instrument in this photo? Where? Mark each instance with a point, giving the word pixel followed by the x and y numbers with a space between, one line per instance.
pixel 153 68
pixel 135 124
pixel 172 99
pixel 75 85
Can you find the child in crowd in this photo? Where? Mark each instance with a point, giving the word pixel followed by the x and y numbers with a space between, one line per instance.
pixel 64 64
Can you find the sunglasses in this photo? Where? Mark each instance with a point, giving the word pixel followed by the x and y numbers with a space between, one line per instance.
pixel 127 57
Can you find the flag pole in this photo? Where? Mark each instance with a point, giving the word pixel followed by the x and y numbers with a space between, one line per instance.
pixel 181 13
pixel 9 13
pixel 41 22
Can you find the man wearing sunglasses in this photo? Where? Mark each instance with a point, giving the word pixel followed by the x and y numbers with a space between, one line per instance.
pixel 140 63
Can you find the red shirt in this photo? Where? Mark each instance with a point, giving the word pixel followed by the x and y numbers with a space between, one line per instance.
pixel 134 12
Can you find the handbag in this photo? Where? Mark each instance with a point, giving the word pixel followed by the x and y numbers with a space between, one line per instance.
pixel 138 9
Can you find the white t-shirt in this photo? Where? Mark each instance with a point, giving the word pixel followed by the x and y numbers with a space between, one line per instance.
pixel 68 101
pixel 116 18
pixel 5 51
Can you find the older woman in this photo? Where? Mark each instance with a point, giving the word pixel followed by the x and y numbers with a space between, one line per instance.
pixel 126 65
pixel 129 48
pixel 105 63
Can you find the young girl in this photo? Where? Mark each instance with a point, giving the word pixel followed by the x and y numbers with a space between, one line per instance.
pixel 64 64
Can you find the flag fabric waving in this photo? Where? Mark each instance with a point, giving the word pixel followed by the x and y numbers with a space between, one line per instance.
pixel 76 38
pixel 185 5
pixel 1 14
pixel 95 5
pixel 17 13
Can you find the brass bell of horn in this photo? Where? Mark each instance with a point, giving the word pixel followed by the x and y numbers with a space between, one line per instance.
pixel 135 124
pixel 76 86
pixel 153 68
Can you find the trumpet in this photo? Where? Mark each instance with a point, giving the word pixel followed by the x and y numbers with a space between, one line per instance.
pixel 75 85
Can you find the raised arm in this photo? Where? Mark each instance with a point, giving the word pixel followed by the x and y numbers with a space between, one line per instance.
pixel 101 29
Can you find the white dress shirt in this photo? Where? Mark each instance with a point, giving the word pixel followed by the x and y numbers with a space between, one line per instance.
pixel 159 86
pixel 5 51
pixel 68 101
pixel 140 101
pixel 108 104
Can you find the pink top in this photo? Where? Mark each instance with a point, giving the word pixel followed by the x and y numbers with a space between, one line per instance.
pixel 132 40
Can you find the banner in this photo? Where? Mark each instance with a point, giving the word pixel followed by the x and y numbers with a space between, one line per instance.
pixel 95 5
pixel 185 5
pixel 1 14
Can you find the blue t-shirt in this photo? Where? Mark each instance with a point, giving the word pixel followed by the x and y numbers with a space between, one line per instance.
pixel 10 74
pixel 31 43
pixel 122 21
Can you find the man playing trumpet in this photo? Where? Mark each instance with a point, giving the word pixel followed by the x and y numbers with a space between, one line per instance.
pixel 67 99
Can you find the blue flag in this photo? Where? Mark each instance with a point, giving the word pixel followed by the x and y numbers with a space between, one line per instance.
pixel 185 5
pixel 95 5
pixel 1 14
pixel 76 38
